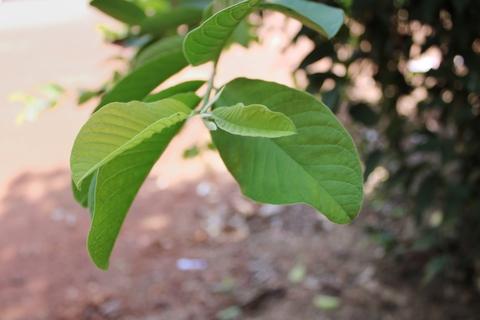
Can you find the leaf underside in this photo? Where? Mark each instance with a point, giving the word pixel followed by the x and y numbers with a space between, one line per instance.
pixel 118 127
pixel 121 10
pixel 116 184
pixel 253 120
pixel 324 19
pixel 318 166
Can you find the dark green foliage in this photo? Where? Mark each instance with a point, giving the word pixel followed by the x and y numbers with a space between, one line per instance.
pixel 432 153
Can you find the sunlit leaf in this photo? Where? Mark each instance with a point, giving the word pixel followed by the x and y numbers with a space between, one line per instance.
pixel 253 120
pixel 124 11
pixel 205 43
pixel 159 48
pixel 116 184
pixel 189 98
pixel 118 127
pixel 318 166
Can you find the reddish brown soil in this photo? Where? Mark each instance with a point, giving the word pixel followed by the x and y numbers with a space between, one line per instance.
pixel 45 271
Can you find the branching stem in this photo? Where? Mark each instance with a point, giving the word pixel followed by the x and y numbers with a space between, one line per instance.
pixel 206 97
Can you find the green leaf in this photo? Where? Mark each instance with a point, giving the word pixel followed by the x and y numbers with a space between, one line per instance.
pixel 298 273
pixel 254 121
pixel 219 5
pixel 206 42
pixel 200 4
pixel 210 125
pixel 142 80
pixel 161 47
pixel 117 128
pixel 326 302
pixel 318 166
pixel 189 98
pixel 87 95
pixel 190 86
pixel 91 194
pixel 118 183
pixel 172 19
pixel 121 10
pixel 324 19
pixel 81 196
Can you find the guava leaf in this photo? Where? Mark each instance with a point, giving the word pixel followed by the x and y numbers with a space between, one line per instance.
pixel 161 47
pixel 81 196
pixel 201 4
pixel 206 42
pixel 124 11
pixel 324 19
pixel 188 98
pixel 143 79
pixel 318 166
pixel 115 186
pixel 175 17
pixel 91 194
pixel 189 86
pixel 254 121
pixel 219 5
pixel 118 127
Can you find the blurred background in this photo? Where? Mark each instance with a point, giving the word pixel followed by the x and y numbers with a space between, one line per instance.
pixel 404 78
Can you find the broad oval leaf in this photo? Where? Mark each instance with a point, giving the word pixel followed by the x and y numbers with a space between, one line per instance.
pixel 318 166
pixel 179 92
pixel 124 11
pixel 206 42
pixel 254 121
pixel 158 48
pixel 115 186
pixel 324 19
pixel 118 127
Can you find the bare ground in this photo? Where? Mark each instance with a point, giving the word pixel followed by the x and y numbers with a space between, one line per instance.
pixel 45 271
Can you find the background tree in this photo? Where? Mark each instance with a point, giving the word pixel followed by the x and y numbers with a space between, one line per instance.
pixel 407 73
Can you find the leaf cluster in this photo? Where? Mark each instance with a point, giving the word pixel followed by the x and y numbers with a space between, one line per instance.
pixel 282 145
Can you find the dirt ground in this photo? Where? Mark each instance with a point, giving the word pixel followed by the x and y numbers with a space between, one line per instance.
pixel 246 252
